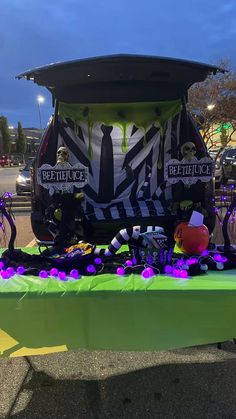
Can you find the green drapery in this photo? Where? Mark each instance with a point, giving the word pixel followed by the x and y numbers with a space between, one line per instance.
pixel 119 313
pixel 142 115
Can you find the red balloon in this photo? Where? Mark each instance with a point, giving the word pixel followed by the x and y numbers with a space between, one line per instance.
pixel 190 239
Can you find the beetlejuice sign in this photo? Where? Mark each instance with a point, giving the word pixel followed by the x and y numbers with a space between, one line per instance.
pixel 189 171
pixel 62 177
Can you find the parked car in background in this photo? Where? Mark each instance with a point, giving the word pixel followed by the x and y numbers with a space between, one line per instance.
pixel 5 161
pixel 10 161
pixel 15 161
pixel 23 181
pixel 216 155
pixel 228 164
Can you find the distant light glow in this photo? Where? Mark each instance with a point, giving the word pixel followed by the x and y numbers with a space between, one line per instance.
pixel 40 99
pixel 211 106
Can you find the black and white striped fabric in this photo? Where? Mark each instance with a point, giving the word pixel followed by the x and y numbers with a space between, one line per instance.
pixel 122 185
pixel 148 237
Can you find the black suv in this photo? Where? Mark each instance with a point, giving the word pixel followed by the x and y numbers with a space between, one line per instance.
pixel 228 164
pixel 122 117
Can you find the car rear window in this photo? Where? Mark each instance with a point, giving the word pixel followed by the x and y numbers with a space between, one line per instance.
pixel 231 153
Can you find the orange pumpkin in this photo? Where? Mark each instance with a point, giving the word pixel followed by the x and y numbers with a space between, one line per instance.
pixel 190 239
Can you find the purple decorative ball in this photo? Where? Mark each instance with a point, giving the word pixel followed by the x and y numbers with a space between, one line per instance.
pixel 20 270
pixel 1 265
pixel 43 274
pixel 120 271
pixel 128 262
pixel 145 274
pixel 191 261
pixel 217 257
pixel 150 271
pixel 176 272
pixel 74 274
pixel 54 272
pixel 11 271
pixel 91 269
pixel 183 273
pixel 168 269
pixel 98 261
pixel 5 275
pixel 62 275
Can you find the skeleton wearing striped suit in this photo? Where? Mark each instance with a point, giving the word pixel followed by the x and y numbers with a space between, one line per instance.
pixel 139 236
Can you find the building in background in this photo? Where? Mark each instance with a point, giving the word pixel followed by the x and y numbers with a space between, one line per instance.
pixel 33 137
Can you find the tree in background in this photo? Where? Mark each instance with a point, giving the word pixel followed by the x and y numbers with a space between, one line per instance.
pixel 212 104
pixel 224 136
pixel 21 144
pixel 5 135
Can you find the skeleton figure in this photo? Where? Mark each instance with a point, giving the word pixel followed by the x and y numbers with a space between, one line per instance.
pixel 140 236
pixel 62 155
pixel 188 151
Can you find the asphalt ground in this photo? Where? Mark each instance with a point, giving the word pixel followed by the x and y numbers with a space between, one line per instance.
pixel 191 383
pixel 8 179
pixel 197 382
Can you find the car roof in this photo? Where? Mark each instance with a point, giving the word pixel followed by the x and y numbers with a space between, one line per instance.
pixel 99 79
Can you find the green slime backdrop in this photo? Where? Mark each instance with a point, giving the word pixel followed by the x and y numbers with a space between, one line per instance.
pixel 142 115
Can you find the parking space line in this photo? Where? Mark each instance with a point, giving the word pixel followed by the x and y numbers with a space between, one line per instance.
pixel 31 244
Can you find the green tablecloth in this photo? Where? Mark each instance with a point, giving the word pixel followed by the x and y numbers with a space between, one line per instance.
pixel 119 313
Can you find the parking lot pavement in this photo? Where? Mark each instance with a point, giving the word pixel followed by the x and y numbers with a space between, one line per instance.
pixel 24 231
pixel 189 383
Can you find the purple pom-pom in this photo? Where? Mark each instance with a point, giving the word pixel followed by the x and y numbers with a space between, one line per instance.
pixel 74 274
pixel 183 273
pixel 120 271
pixel 5 275
pixel 145 274
pixel 98 261
pixel 54 272
pixel 62 275
pixel 20 270
pixel 11 271
pixel 43 274
pixel 91 269
pixel 150 271
pixel 128 262
pixel 168 269
pixel 1 264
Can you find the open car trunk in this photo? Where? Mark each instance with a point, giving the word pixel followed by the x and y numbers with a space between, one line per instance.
pixel 123 118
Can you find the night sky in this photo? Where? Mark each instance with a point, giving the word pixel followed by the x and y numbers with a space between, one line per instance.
pixel 35 33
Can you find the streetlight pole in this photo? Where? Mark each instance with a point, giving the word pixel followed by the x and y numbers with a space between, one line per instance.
pixel 40 99
pixel 210 108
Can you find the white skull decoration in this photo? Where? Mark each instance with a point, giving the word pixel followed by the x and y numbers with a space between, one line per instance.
pixel 62 155
pixel 188 151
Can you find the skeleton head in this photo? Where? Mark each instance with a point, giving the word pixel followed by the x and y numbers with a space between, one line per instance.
pixel 188 150
pixel 62 155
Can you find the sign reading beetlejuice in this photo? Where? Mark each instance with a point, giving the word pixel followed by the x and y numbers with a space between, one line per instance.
pixel 189 171
pixel 62 177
